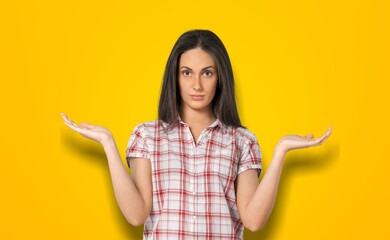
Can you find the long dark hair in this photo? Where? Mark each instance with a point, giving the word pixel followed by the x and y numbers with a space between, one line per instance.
pixel 224 102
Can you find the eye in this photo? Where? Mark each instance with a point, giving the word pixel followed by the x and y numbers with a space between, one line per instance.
pixel 208 73
pixel 186 73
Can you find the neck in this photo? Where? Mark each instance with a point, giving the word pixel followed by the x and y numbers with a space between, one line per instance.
pixel 192 117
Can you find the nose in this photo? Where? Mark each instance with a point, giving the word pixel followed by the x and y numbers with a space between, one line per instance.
pixel 197 84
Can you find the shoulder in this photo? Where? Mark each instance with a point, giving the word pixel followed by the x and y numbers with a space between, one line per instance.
pixel 247 143
pixel 244 139
pixel 244 135
pixel 149 127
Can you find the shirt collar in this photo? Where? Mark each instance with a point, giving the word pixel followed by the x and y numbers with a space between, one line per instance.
pixel 216 123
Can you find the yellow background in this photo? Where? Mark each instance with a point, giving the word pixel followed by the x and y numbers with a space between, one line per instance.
pixel 300 66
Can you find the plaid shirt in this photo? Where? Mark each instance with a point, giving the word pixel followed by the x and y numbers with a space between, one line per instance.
pixel 193 183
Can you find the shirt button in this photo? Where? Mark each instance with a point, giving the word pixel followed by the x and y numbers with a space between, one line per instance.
pixel 193 218
pixel 194 192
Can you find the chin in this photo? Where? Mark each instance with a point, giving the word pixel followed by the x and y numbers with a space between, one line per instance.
pixel 199 106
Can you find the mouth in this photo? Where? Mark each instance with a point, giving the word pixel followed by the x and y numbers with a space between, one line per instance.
pixel 197 97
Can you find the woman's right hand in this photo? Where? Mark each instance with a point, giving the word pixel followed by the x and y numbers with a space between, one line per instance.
pixel 94 132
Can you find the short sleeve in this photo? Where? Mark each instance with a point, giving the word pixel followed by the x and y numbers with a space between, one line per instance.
pixel 250 157
pixel 137 146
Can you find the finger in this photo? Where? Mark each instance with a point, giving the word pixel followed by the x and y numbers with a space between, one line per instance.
pixel 309 136
pixel 78 129
pixel 68 120
pixel 63 115
pixel 326 134
pixel 321 139
pixel 329 131
pixel 295 136
pixel 75 128
pixel 87 125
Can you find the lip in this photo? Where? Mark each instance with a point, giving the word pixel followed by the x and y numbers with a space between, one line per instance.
pixel 197 97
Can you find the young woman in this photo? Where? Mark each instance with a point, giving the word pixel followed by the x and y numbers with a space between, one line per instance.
pixel 195 170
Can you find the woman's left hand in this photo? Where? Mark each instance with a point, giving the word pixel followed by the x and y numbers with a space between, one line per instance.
pixel 291 142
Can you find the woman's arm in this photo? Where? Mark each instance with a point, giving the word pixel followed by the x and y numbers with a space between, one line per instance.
pixel 256 201
pixel 133 193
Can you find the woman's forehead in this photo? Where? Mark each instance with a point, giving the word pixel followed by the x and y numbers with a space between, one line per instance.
pixel 196 57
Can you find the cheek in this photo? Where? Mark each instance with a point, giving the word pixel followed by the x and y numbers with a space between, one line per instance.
pixel 181 85
pixel 213 86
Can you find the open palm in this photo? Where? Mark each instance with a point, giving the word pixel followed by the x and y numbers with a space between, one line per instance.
pixel 291 142
pixel 94 132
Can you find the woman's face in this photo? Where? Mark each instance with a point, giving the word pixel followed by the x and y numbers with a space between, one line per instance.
pixel 197 80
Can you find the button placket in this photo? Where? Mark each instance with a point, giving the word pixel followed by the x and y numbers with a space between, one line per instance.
pixel 195 188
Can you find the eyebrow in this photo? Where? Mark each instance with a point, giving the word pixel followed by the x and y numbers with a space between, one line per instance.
pixel 202 68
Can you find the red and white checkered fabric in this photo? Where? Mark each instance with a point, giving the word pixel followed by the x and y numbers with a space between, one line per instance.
pixel 193 182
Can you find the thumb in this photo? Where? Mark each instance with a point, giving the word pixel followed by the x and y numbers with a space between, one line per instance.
pixel 86 125
pixel 309 136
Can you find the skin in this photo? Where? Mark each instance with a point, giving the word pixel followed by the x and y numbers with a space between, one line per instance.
pixel 198 76
pixel 133 193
